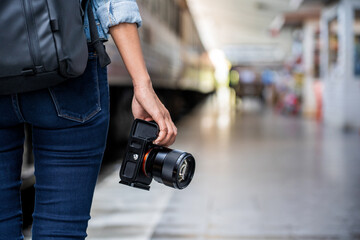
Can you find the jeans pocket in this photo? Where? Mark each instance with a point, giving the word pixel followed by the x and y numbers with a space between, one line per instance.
pixel 78 99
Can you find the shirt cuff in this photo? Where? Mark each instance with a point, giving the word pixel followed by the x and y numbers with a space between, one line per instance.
pixel 114 12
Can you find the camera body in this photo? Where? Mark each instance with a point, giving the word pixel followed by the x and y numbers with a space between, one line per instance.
pixel 144 160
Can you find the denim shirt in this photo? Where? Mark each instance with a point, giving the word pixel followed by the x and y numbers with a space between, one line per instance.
pixel 109 13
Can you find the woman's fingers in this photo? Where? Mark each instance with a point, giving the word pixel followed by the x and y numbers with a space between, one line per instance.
pixel 167 133
pixel 162 132
pixel 171 134
pixel 163 138
pixel 152 107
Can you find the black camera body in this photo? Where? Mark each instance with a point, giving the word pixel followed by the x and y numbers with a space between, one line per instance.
pixel 144 160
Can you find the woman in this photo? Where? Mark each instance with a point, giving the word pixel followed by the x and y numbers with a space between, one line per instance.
pixel 69 124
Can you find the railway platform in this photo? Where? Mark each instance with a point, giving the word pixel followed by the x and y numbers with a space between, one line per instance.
pixel 259 175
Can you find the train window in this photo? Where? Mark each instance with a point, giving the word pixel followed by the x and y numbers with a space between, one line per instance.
pixel 357 43
pixel 333 42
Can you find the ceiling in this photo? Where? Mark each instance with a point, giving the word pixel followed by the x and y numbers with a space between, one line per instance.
pixel 241 28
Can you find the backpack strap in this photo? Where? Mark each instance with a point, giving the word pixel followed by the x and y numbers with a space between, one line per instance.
pixel 83 6
pixel 96 42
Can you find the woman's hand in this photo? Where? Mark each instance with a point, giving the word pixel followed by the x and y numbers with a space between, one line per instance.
pixel 147 106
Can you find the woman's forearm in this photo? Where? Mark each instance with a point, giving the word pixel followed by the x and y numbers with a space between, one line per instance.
pixel 126 38
pixel 145 105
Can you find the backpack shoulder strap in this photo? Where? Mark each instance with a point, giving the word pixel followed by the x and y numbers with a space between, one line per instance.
pixel 104 58
pixel 83 5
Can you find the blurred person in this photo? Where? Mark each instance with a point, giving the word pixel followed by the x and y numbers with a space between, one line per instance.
pixel 69 124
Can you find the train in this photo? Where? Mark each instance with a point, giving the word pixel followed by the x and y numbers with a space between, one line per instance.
pixel 178 64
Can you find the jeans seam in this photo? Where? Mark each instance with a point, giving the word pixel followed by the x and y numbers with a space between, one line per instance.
pixel 16 107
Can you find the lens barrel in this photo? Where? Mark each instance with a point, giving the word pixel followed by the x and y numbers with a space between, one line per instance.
pixel 173 168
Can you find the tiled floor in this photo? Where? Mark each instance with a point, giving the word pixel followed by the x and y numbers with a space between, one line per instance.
pixel 259 176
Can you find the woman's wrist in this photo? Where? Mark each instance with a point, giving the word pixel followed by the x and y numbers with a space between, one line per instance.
pixel 141 84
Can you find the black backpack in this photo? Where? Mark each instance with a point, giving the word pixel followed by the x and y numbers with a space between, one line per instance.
pixel 42 43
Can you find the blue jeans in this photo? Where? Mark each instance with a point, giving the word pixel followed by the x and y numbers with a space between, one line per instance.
pixel 69 125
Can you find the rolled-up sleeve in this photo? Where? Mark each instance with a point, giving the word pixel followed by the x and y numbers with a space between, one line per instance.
pixel 113 12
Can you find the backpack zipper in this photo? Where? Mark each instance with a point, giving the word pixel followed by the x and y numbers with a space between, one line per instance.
pixel 34 46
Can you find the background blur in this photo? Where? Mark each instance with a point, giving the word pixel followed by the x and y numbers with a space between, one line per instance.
pixel 266 96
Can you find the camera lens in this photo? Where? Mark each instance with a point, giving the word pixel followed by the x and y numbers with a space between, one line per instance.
pixel 173 168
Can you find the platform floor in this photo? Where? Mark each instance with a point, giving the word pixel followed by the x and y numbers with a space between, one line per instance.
pixel 259 176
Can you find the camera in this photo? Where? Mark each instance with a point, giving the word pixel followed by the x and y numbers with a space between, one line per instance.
pixel 144 160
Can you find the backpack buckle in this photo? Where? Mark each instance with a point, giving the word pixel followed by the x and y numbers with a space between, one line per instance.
pixel 32 71
pixel 28 72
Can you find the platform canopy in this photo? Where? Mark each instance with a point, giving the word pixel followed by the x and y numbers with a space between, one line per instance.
pixel 245 29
